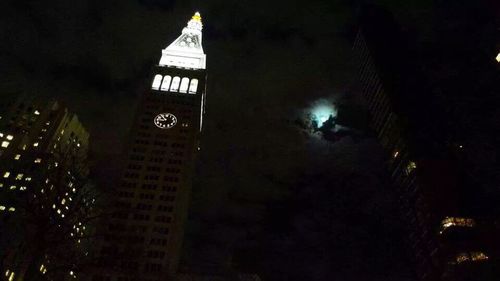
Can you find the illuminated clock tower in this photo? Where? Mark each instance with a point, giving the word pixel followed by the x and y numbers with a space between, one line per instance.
pixel 143 239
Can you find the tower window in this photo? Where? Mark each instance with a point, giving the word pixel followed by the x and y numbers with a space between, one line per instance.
pixel 175 84
pixel 166 83
pixel 184 85
pixel 193 86
pixel 156 82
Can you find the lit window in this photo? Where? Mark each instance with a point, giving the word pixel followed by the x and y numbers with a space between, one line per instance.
pixel 478 256
pixel 498 57
pixel 27 178
pixel 5 143
pixel 19 177
pixel 193 86
pixel 175 84
pixel 37 112
pixel 35 144
pixel 13 187
pixel 6 174
pixel 184 85
pixel 10 137
pixel 63 201
pixel 17 156
pixel 38 160
pixel 456 222
pixel 1 135
pixel 472 256
pixel 22 188
pixel 2 208
pixel 166 83
pixel 156 82
pixel 58 211
pixel 12 209
pixel 395 155
pixel 410 167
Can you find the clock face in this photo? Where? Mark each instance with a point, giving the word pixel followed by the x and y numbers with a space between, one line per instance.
pixel 165 120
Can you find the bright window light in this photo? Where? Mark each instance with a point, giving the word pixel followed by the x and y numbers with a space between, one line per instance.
pixel 10 137
pixel 37 112
pixel 156 82
pixel 6 174
pixel 2 208
pixel 17 156
pixel 175 84
pixel 184 85
pixel 38 160
pixel 35 144
pixel 498 57
pixel 193 86
pixel 5 143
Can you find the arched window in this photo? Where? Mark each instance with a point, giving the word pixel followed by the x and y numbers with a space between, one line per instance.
pixel 184 85
pixel 193 86
pixel 156 82
pixel 166 83
pixel 175 84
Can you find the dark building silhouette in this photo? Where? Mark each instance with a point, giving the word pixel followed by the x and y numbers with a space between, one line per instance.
pixel 143 239
pixel 43 167
pixel 448 236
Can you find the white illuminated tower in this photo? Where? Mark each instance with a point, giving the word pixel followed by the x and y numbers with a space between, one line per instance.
pixel 143 239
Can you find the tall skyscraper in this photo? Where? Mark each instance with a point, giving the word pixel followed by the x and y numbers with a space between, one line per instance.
pixel 43 166
pixel 449 238
pixel 143 240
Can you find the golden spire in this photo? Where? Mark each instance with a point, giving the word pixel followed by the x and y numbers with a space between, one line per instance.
pixel 196 17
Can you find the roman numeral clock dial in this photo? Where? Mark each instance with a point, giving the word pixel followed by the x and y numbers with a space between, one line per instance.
pixel 165 120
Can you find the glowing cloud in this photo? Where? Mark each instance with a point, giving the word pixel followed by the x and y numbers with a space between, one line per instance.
pixel 322 110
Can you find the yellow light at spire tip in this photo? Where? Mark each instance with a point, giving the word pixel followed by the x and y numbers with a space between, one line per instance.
pixel 197 17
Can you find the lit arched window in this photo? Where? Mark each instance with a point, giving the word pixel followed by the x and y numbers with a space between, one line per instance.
pixel 194 86
pixel 166 83
pixel 175 84
pixel 156 82
pixel 184 85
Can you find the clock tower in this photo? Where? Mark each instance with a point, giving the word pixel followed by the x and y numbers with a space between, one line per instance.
pixel 143 238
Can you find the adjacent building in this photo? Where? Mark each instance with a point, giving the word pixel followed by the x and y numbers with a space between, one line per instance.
pixel 43 167
pixel 449 238
pixel 143 238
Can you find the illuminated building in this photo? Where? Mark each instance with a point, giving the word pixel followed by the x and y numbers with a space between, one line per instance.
pixel 143 238
pixel 449 238
pixel 38 183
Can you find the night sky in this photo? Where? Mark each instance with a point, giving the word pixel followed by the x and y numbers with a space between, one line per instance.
pixel 270 197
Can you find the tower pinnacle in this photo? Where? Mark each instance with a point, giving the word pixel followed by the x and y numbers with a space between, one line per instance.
pixel 196 17
pixel 186 51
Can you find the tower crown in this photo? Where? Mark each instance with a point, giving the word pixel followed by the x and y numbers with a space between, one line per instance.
pixel 186 51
